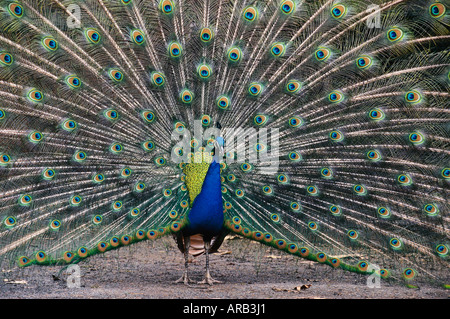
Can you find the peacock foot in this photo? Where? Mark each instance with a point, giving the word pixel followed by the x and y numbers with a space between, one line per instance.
pixel 209 280
pixel 184 279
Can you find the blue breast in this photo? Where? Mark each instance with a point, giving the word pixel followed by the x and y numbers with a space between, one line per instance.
pixel 206 214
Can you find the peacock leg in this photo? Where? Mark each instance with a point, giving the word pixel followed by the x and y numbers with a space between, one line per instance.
pixel 208 279
pixel 185 278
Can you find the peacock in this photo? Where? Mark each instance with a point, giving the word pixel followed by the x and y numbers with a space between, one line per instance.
pixel 316 127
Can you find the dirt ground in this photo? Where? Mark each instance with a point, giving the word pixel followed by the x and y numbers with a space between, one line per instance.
pixel 248 270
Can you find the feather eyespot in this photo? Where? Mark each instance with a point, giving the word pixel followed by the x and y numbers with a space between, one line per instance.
pixel 114 241
pixel 395 243
pixel 260 119
pixel 102 246
pixel 282 179
pixel 295 156
pixel 383 273
pixel 374 155
pixel 409 273
pixel 312 190
pixel 437 10
pixel 292 248
pixel 296 121
pixel 125 240
pixel 6 59
pixel 179 127
pixel 295 206
pixel 2 114
pixel 117 206
pixel 25 200
pixel 186 96
pixel 404 179
pixel 206 35
pixel 246 167
pixel 9 222
pixel 166 7
pixel 335 262
pixel 139 187
pixel 92 35
pixel 250 14
pixel 267 190
pixel 278 49
pixel 336 136
pixel 384 212
pixel 442 250
pixel 239 193
pixel 41 256
pixel 98 178
pixel 364 62
pixel 24 261
pixel 304 252
pixel 126 2
pixel 431 210
pixel 322 54
pixel 82 252
pixel 326 172
pixel 167 192
pixel 363 266
pixel 255 89
pixel 35 96
pixel 148 116
pixel 416 138
pixel 140 234
pixel 160 161
pixel 204 71
pixel 175 49
pixel 336 97
pixel 234 54
pixel 75 200
pixel 184 204
pixel 68 256
pixel 73 81
pixel 50 43
pixel 360 190
pixel 157 78
pixel 79 156
pixel 35 137
pixel 223 102
pixel 137 36
pixel 395 34
pixel 376 114
pixel 445 173
pixel 293 86
pixel 335 210
pixel 126 172
pixel 313 226
pixel 287 7
pixel 321 257
pixel 97 219
pixel 352 234
pixel 206 120
pixel 69 125
pixel 111 114
pixel 338 11
pixel 55 224
pixel 413 97
pixel 115 75
pixel 148 146
pixel 5 159
pixel 275 218
pixel 116 148
pixel 16 10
